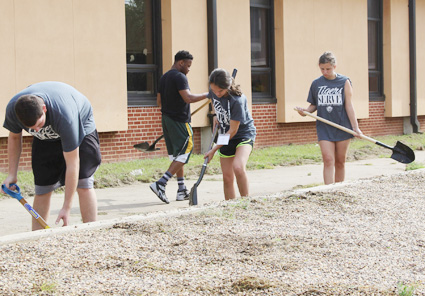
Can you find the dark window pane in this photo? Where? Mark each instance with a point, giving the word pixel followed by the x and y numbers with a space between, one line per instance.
pixel 373 84
pixel 262 52
pixel 261 3
pixel 373 46
pixel 373 8
pixel 139 26
pixel 143 41
pixel 259 37
pixel 141 83
pixel 261 83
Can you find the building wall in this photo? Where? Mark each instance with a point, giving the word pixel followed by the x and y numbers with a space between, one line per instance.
pixel 396 57
pixel 72 41
pixel 304 30
pixel 85 46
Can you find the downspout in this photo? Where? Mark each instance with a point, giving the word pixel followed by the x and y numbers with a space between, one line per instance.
pixel 212 34
pixel 212 42
pixel 412 63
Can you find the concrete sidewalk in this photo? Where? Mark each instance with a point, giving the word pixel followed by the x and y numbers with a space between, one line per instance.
pixel 115 203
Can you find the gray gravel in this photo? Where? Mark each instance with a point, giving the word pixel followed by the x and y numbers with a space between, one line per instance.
pixel 364 238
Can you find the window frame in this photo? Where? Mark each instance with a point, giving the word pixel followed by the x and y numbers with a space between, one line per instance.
pixel 261 98
pixel 139 100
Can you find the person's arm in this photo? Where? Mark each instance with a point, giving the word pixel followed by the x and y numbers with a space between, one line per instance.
pixel 310 109
pixel 72 160
pixel 14 149
pixel 188 97
pixel 349 108
pixel 234 126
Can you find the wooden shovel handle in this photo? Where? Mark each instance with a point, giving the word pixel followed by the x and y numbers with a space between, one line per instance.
pixel 33 213
pixel 338 126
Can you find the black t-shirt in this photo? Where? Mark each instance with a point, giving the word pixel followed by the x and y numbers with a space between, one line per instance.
pixel 172 104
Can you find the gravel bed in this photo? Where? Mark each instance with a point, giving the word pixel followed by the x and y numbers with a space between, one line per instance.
pixel 364 238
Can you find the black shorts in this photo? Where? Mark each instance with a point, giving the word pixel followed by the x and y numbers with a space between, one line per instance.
pixel 229 150
pixel 48 163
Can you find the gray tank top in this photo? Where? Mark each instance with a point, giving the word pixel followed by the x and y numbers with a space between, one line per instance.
pixel 329 98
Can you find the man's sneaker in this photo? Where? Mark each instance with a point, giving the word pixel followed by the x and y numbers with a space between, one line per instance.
pixel 182 194
pixel 159 190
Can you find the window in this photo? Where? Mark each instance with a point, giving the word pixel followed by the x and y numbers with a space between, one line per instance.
pixel 143 27
pixel 262 52
pixel 374 16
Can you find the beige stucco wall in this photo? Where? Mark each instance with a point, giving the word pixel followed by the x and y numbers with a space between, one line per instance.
pixel 184 27
pixel 234 41
pixel 420 54
pixel 396 57
pixel 7 57
pixel 191 33
pixel 304 30
pixel 72 41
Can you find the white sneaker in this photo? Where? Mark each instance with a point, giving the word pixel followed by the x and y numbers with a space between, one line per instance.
pixel 182 195
pixel 159 190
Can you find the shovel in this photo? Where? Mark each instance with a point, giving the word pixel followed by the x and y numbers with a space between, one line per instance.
pixel 145 147
pixel 401 152
pixel 17 194
pixel 193 195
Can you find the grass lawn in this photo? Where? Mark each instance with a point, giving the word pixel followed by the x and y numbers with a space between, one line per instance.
pixel 148 170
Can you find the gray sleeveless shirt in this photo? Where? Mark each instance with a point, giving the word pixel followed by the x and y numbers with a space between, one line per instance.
pixel 329 98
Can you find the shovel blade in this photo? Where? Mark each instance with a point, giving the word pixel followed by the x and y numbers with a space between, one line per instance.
pixel 145 147
pixel 193 196
pixel 403 153
pixel 142 146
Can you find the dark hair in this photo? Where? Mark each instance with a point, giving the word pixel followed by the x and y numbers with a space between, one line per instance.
pixel 223 80
pixel 327 57
pixel 183 55
pixel 29 109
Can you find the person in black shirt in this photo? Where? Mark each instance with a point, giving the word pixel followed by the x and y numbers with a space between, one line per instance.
pixel 174 97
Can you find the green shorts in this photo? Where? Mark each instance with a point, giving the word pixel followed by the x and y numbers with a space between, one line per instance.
pixel 178 139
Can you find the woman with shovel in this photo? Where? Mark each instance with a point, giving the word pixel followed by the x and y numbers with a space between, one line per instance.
pixel 236 131
pixel 331 95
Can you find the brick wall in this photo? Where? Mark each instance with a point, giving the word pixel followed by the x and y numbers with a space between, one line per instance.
pixel 144 125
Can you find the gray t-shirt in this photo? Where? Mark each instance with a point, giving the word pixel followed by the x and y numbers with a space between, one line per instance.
pixel 69 115
pixel 234 107
pixel 329 98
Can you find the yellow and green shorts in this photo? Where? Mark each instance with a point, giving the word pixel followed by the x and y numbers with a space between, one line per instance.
pixel 178 139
